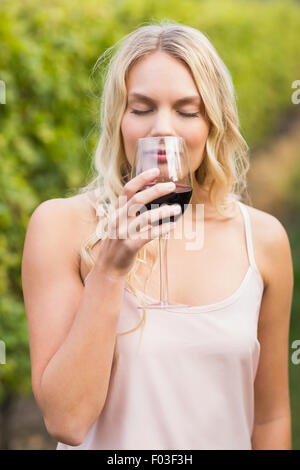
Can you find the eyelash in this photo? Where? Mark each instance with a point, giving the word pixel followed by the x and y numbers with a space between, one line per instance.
pixel 135 111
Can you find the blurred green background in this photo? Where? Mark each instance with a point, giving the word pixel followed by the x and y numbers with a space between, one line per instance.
pixel 50 124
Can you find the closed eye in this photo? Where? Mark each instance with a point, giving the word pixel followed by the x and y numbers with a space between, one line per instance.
pixel 189 114
pixel 135 111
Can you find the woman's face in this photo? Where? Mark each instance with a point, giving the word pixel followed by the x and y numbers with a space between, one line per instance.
pixel 163 100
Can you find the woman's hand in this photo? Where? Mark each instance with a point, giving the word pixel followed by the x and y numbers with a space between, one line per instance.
pixel 128 229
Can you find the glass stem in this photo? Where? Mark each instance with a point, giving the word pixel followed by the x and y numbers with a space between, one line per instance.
pixel 163 247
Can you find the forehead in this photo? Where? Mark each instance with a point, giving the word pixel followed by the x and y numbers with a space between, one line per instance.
pixel 160 72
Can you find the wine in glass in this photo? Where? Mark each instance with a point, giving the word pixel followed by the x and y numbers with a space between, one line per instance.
pixel 169 154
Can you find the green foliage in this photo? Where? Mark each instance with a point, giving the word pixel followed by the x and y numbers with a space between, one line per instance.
pixel 294 369
pixel 49 124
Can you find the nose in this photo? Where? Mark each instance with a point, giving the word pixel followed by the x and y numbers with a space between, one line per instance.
pixel 162 124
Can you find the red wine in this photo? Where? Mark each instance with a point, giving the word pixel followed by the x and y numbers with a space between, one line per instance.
pixel 181 196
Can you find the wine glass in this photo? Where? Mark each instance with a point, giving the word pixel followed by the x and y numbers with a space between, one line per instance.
pixel 169 154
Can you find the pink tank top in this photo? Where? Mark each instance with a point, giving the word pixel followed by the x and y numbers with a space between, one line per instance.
pixel 189 382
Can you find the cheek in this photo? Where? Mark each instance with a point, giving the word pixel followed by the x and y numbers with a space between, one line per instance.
pixel 131 130
pixel 196 140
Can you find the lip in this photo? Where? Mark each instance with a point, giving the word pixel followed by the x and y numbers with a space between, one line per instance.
pixel 159 154
pixel 162 158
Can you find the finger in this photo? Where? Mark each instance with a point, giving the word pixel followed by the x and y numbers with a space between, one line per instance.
pixel 155 232
pixel 152 217
pixel 140 199
pixel 135 184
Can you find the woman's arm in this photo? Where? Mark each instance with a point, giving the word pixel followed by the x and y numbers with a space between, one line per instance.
pixel 272 421
pixel 72 329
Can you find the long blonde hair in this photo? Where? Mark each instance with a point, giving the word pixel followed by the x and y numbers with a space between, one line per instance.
pixel 225 164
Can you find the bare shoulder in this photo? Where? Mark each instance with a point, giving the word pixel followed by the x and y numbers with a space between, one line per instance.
pixel 53 214
pixel 271 242
pixel 71 218
pixel 75 211
pixel 266 225
pixel 74 205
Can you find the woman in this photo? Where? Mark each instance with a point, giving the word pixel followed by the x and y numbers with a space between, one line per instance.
pixel 215 379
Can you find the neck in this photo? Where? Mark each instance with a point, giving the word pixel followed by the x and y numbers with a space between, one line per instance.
pixel 199 196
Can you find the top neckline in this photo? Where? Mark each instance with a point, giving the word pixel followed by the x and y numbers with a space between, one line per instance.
pixel 209 307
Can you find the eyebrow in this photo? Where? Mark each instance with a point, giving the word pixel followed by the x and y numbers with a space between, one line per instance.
pixel 147 99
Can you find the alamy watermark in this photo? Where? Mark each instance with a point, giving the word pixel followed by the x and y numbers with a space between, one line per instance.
pixel 2 353
pixel 123 225
pixel 296 95
pixel 2 92
pixel 296 354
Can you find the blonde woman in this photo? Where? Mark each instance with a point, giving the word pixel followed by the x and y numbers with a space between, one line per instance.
pixel 106 375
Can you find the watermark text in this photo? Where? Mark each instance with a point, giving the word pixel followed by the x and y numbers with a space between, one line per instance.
pixel 138 221
pixel 296 95
pixel 296 354
pixel 2 92
pixel 2 353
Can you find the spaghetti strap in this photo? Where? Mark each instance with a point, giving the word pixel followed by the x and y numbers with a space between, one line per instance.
pixel 249 238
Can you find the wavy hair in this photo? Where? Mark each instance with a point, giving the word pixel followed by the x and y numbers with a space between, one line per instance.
pixel 223 169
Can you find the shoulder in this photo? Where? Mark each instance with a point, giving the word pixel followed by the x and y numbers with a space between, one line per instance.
pixel 271 243
pixel 74 208
pixel 266 225
pixel 57 228
pixel 70 219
